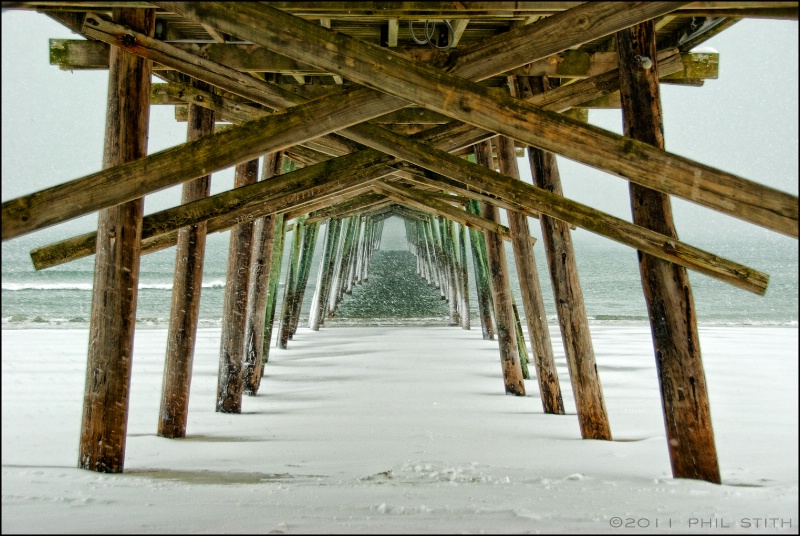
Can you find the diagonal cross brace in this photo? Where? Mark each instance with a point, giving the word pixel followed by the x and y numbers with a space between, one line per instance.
pixel 467 101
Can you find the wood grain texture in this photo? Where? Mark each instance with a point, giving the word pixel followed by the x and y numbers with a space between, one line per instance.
pixel 116 274
pixel 464 100
pixel 258 290
pixel 532 300
pixel 501 292
pixel 667 290
pixel 186 286
pixel 231 354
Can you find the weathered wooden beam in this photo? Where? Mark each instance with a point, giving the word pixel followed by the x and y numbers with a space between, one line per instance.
pixel 581 64
pixel 518 193
pixel 420 201
pixel 227 109
pixel 362 205
pixel 446 229
pixel 76 54
pixel 202 68
pixel 569 303
pixel 163 169
pixel 437 254
pixel 463 100
pixel 461 239
pixel 390 208
pixel 524 359
pixel 535 315
pixel 377 11
pixel 290 285
pixel 372 209
pixel 326 23
pixel 185 307
pixel 324 272
pixel 243 203
pixel 258 291
pixel 116 273
pixel 175 165
pixel 667 289
pixel 501 291
pixel 272 298
pixel 236 112
pixel 564 29
pixel 361 201
pixel 481 270
pixel 426 203
pixel 479 9
pixel 229 208
pixel 342 263
pixel 230 381
pixel 310 231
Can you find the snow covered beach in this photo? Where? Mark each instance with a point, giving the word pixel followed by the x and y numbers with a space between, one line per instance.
pixel 401 429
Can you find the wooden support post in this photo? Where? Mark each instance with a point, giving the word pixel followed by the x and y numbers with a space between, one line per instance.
pixel 437 256
pixel 357 247
pixel 362 251
pixel 462 251
pixel 441 260
pixel 426 228
pixel 455 269
pixel 272 298
pixel 367 249
pixel 422 253
pixel 531 291
pixel 306 255
pixel 379 235
pixel 317 314
pixel 373 224
pixel 446 230
pixel 523 350
pixel 428 253
pixel 413 245
pixel 358 261
pixel 667 291
pixel 482 285
pixel 323 306
pixel 187 282
pixel 352 253
pixel 231 353
pixel 258 293
pixel 567 291
pixel 501 291
pixel 341 267
pixel 327 243
pixel 290 285
pixel 116 273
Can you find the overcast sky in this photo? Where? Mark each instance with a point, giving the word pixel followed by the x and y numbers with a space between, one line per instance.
pixel 746 122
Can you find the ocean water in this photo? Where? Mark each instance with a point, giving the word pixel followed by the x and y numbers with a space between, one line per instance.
pixel 395 295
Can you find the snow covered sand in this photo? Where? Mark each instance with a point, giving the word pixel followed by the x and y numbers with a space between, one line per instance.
pixel 401 430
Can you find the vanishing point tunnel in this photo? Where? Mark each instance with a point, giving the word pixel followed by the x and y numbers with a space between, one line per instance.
pixel 338 115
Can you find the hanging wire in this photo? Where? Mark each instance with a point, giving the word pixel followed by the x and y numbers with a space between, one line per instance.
pixel 430 27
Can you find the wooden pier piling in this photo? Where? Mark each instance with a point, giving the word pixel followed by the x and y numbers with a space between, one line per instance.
pixel 531 291
pixel 258 292
pixel 501 292
pixel 570 308
pixel 186 287
pixel 667 291
pixel 116 273
pixel 231 355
